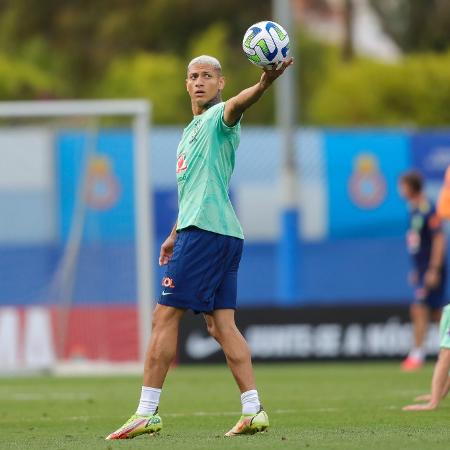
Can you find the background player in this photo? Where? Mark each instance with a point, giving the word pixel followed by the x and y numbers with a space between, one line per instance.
pixel 203 251
pixel 427 245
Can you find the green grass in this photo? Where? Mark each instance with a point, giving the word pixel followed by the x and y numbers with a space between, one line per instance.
pixel 311 406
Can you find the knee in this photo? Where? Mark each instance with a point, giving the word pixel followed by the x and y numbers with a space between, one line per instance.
pixel 219 332
pixel 164 320
pixel 163 346
pixel 164 333
pixel 212 331
pixel 418 311
pixel 222 333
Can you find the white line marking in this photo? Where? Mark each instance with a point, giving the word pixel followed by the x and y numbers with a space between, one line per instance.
pixel 29 396
pixel 196 414
pixel 223 413
pixel 321 410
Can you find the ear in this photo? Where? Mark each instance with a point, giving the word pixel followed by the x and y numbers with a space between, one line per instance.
pixel 186 81
pixel 221 83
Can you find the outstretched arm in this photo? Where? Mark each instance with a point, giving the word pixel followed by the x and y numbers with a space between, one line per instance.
pixel 235 106
pixel 446 389
pixel 427 397
pixel 438 385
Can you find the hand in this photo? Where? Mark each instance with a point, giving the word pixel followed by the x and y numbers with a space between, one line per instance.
pixel 423 398
pixel 432 278
pixel 413 278
pixel 166 250
pixel 421 407
pixel 270 75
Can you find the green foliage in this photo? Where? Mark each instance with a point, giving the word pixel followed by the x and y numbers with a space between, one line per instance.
pixel 156 76
pixel 415 91
pixel 213 41
pixel 416 25
pixel 21 80
pixel 140 48
pixel 87 36
pixel 314 60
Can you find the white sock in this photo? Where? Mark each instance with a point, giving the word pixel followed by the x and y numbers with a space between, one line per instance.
pixel 250 402
pixel 417 353
pixel 149 401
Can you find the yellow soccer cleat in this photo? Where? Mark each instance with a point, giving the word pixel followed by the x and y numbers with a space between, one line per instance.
pixel 137 425
pixel 250 424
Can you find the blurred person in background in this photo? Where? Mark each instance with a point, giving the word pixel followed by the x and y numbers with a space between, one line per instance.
pixel 440 385
pixel 427 246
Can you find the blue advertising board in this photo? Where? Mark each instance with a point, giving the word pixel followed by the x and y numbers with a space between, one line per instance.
pixel 362 170
pixel 430 154
pixel 99 168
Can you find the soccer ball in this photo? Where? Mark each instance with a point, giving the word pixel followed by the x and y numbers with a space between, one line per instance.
pixel 266 44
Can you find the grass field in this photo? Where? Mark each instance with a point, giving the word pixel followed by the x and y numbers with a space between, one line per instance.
pixel 311 406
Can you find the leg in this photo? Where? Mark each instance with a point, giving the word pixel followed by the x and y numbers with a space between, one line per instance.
pixel 436 315
pixel 160 353
pixel 163 344
pixel 420 317
pixel 222 327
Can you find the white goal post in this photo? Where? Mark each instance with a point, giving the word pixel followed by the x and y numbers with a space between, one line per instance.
pixel 139 111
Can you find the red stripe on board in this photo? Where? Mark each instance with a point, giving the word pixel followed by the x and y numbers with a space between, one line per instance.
pixel 100 333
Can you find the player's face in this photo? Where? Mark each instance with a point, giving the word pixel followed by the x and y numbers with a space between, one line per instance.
pixel 203 83
pixel 406 192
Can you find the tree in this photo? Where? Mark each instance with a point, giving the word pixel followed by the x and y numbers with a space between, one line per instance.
pixel 413 92
pixel 21 81
pixel 85 36
pixel 348 50
pixel 158 77
pixel 416 25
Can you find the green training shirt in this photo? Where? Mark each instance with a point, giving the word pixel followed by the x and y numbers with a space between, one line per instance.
pixel 205 162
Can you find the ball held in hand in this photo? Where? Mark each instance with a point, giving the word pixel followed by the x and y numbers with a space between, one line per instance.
pixel 266 44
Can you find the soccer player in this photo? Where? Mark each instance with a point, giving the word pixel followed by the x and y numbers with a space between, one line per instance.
pixel 427 245
pixel 203 251
pixel 440 384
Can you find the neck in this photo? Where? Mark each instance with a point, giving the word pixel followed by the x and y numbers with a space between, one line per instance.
pixel 200 109
pixel 417 200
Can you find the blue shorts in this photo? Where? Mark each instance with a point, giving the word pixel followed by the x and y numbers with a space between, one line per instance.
pixel 435 298
pixel 202 273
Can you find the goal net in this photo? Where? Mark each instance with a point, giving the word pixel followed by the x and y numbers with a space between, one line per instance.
pixel 75 234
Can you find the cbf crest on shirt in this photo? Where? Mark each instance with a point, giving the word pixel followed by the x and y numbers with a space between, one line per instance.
pixel 205 163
